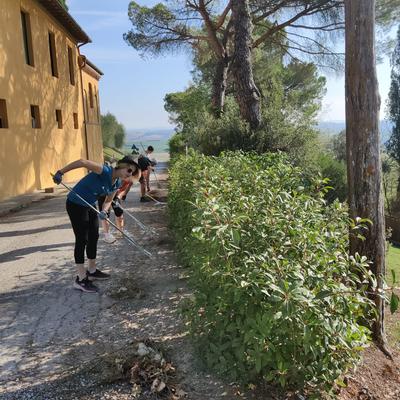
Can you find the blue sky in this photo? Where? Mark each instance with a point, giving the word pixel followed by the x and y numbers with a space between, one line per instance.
pixel 133 89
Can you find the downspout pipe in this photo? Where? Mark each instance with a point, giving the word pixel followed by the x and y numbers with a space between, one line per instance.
pixel 81 66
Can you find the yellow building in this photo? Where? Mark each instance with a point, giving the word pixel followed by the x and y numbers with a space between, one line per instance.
pixel 49 97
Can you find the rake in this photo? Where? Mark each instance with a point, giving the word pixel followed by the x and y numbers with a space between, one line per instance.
pixel 128 237
pixel 141 225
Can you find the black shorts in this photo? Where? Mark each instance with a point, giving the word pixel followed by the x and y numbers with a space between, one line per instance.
pixel 118 211
pixel 144 163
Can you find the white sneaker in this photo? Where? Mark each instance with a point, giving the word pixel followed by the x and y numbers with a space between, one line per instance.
pixel 118 235
pixel 109 238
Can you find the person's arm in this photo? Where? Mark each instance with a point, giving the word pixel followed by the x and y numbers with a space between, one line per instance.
pixel 122 195
pixel 90 165
pixel 108 201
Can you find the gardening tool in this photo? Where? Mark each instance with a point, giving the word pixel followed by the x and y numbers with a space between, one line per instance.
pixel 154 172
pixel 159 203
pixel 141 225
pixel 126 235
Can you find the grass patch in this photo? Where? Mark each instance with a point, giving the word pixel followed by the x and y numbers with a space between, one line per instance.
pixel 395 334
pixel 393 262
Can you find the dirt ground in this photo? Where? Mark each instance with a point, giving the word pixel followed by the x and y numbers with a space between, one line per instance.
pixel 377 377
pixel 59 344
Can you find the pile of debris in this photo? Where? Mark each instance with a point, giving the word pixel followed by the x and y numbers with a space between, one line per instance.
pixel 142 365
pixel 152 376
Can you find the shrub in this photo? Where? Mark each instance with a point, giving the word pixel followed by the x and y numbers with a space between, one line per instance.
pixel 275 294
pixel 335 171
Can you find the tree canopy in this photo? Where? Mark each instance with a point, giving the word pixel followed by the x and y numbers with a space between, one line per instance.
pixel 293 93
pixel 303 29
pixel 64 4
pixel 113 132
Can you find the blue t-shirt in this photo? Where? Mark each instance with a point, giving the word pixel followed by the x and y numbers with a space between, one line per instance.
pixel 94 185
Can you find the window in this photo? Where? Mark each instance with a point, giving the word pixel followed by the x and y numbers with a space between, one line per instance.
pixel 3 114
pixel 27 37
pixel 76 125
pixel 59 119
pixel 35 117
pixel 53 54
pixel 91 95
pixel 97 107
pixel 71 66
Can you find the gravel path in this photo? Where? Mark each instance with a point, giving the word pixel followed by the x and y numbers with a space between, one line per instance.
pixel 58 343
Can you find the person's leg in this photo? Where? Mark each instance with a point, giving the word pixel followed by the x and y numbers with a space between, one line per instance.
pixel 91 248
pixel 148 178
pixel 120 222
pixel 119 219
pixel 108 237
pixel 142 181
pixel 80 223
pixel 93 237
pixel 142 185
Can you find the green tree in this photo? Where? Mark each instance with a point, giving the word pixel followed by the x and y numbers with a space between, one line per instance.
pixel 364 170
pixel 292 94
pixel 335 170
pixel 212 26
pixel 64 4
pixel 393 145
pixel 224 30
pixel 338 146
pixel 119 137
pixel 113 132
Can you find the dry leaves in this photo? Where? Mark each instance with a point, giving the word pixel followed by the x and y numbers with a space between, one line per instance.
pixel 152 376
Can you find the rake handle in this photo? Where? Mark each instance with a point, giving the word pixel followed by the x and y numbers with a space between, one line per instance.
pixel 130 240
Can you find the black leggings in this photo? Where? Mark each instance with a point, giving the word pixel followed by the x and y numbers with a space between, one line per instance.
pixel 85 224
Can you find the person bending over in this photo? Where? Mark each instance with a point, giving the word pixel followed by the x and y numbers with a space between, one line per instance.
pixel 102 180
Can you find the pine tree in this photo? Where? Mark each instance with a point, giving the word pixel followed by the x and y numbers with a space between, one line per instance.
pixel 363 148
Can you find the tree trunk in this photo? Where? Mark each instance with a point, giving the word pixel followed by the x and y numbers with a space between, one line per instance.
pixel 363 144
pixel 246 92
pixel 219 86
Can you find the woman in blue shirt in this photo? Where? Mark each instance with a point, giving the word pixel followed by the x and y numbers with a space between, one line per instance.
pixel 102 180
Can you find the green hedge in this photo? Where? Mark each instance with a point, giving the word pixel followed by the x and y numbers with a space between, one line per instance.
pixel 275 294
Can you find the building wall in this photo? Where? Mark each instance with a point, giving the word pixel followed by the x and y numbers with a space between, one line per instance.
pixel 92 114
pixel 28 155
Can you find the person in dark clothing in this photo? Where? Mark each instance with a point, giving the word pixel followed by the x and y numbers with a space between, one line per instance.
pixel 145 165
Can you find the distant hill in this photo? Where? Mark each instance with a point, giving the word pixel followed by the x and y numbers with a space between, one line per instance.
pixel 334 127
pixel 162 134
